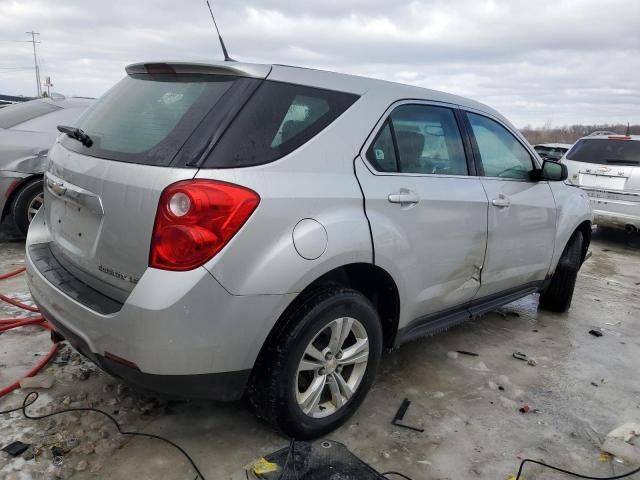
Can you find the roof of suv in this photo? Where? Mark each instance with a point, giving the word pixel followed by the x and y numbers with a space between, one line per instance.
pixel 315 78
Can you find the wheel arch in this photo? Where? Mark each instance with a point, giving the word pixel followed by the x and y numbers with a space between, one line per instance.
pixel 17 188
pixel 369 279
pixel 585 229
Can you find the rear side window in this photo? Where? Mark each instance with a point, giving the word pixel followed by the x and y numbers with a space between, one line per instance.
pixel 425 139
pixel 147 118
pixel 605 151
pixel 21 112
pixel 382 153
pixel 500 153
pixel 279 118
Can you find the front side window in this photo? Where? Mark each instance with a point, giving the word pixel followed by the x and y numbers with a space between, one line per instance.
pixel 500 153
pixel 426 140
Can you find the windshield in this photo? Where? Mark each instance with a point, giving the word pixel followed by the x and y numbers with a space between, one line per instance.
pixel 147 118
pixel 21 112
pixel 606 151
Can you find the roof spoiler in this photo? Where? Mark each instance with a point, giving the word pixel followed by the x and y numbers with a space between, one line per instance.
pixel 235 69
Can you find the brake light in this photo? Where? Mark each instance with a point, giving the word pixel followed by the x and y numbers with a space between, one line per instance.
pixel 195 220
pixel 619 137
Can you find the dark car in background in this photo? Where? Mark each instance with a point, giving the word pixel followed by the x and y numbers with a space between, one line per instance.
pixel 552 151
pixel 27 130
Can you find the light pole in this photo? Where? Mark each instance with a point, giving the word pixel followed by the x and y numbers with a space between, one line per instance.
pixel 35 61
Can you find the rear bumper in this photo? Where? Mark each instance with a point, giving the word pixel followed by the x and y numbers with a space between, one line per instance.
pixel 224 386
pixel 616 213
pixel 183 331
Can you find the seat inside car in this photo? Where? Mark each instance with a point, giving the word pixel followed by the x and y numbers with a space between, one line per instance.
pixel 410 148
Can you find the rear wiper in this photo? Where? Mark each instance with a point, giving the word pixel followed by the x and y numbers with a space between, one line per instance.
pixel 76 134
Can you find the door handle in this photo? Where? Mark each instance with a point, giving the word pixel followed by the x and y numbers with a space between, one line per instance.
pixel 406 197
pixel 501 201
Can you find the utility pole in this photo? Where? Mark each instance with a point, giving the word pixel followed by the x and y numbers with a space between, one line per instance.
pixel 35 61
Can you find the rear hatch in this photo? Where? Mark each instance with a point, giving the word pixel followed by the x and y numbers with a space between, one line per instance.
pixel 604 164
pixel 150 130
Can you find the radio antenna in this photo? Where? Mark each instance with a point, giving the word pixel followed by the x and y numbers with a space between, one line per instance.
pixel 227 58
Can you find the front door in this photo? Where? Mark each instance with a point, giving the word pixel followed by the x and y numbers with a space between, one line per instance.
pixel 522 213
pixel 428 215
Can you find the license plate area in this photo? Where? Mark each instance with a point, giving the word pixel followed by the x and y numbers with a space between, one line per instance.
pixel 602 181
pixel 73 227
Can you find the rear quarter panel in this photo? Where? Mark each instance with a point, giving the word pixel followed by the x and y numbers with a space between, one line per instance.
pixel 315 181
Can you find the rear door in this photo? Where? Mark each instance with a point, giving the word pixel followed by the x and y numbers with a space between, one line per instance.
pixel 522 213
pixel 149 131
pixel 427 209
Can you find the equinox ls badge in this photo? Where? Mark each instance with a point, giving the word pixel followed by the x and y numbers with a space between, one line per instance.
pixel 115 273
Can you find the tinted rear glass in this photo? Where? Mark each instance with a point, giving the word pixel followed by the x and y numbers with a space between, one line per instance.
pixel 147 118
pixel 606 151
pixel 21 112
pixel 279 118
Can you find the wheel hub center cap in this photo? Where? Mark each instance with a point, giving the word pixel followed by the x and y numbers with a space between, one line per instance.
pixel 331 365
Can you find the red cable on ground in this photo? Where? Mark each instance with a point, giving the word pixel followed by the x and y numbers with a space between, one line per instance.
pixel 8 324
pixel 12 274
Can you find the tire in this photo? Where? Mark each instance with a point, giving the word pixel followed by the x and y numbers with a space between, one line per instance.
pixel 279 392
pixel 27 199
pixel 559 293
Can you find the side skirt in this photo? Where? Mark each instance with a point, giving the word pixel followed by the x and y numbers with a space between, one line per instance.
pixel 444 320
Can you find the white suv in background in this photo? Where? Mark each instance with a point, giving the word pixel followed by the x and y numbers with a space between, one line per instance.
pixel 607 167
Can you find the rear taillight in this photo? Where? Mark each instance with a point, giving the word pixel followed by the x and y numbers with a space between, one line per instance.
pixel 195 220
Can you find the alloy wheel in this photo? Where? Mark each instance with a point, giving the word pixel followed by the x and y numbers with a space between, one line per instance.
pixel 34 205
pixel 332 367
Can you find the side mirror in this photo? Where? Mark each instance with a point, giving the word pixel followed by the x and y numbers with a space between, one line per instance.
pixel 553 171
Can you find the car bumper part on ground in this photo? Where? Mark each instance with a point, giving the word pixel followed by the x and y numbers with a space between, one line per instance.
pixel 184 333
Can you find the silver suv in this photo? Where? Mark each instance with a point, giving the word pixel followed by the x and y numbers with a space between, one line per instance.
pixel 216 230
pixel 607 167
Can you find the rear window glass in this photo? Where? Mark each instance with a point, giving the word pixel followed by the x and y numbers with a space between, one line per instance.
pixel 605 151
pixel 21 112
pixel 147 118
pixel 279 118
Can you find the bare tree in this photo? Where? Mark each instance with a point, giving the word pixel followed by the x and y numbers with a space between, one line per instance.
pixel 571 133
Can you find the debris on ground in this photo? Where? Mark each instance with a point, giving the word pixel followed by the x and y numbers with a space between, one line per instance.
pixel 523 356
pixel 623 444
pixel 464 352
pixel 595 384
pixel 15 448
pixel 452 355
pixel 596 333
pixel 42 380
pixel 400 415
pixel 505 313
pixel 525 408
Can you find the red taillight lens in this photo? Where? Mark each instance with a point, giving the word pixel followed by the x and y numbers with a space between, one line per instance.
pixel 195 220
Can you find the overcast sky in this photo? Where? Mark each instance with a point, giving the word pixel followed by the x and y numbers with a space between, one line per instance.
pixel 537 61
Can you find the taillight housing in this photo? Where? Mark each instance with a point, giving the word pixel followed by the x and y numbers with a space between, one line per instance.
pixel 195 220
